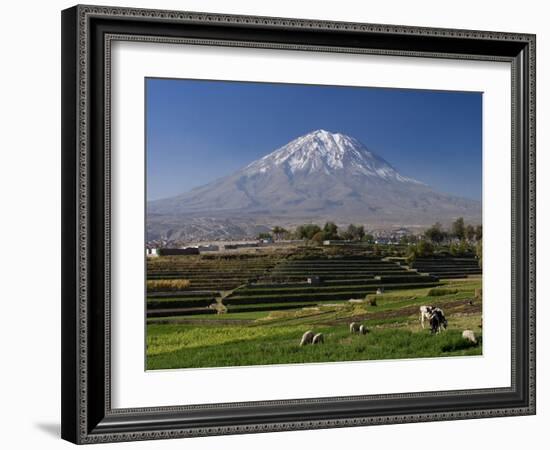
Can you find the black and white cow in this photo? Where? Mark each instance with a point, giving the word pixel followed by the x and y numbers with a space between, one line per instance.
pixel 425 314
pixel 437 320
pixel 434 316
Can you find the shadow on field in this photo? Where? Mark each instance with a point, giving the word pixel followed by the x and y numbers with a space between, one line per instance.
pixel 460 344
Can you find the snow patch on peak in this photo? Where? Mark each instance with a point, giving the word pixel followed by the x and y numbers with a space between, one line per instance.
pixel 329 153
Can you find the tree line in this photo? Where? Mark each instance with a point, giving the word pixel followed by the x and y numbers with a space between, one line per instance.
pixel 462 239
pixel 458 240
pixel 313 232
pixel 458 231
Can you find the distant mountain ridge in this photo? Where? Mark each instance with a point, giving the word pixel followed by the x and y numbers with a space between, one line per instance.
pixel 318 176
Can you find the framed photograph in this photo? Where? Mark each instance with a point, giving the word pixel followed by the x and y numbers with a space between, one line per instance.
pixel 280 224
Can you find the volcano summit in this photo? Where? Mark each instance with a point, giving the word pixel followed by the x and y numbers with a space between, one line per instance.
pixel 317 177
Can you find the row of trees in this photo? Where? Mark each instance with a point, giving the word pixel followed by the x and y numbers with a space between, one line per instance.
pixel 461 248
pixel 330 232
pixel 462 239
pixel 313 232
pixel 459 230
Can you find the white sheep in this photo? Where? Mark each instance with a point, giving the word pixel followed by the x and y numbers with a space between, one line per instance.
pixel 353 327
pixel 318 339
pixel 469 336
pixel 307 338
pixel 363 329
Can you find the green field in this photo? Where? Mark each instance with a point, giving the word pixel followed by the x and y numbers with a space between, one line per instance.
pixel 263 305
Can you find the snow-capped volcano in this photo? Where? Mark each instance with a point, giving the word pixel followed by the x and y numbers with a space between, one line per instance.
pixel 324 151
pixel 318 176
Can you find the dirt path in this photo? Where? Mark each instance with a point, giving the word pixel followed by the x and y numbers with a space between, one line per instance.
pixel 450 308
pixel 456 307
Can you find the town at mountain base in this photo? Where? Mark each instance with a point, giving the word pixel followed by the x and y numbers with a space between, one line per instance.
pixel 317 177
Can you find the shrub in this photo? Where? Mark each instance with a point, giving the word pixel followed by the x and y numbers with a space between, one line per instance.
pixel 307 231
pixel 422 249
pixel 318 237
pixel 167 285
pixel 435 292
pixel 461 248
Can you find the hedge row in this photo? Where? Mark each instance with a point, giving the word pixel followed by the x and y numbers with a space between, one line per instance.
pixel 179 312
pixel 295 298
pixel 456 275
pixel 203 276
pixel 337 264
pixel 182 294
pixel 168 285
pixel 179 303
pixel 266 307
pixel 340 270
pixel 436 267
pixel 334 277
pixel 198 267
pixel 264 285
pixel 291 283
pixel 246 292
pixel 408 278
pixel 316 297
pixel 214 285
pixel 436 292
pixel 305 288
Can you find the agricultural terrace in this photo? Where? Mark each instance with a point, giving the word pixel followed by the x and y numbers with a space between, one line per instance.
pixel 252 308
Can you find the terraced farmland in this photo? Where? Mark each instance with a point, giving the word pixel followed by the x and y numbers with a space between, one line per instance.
pixel 252 309
pixel 210 279
pixel 270 283
pixel 272 336
pixel 448 267
pixel 334 279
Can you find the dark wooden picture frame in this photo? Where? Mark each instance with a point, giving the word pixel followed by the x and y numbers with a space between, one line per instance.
pixel 87 33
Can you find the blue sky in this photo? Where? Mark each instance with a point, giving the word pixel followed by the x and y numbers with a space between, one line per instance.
pixel 198 131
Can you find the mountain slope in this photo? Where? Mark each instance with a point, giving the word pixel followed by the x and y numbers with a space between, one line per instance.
pixel 318 176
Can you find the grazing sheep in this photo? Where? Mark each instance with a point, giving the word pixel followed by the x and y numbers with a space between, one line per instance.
pixel 307 338
pixel 318 339
pixel 363 329
pixel 353 327
pixel 469 336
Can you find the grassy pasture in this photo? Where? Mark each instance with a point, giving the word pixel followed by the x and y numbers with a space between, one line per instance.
pixel 264 321
pixel 186 346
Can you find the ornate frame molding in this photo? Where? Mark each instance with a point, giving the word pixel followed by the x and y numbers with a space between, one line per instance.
pixel 84 421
